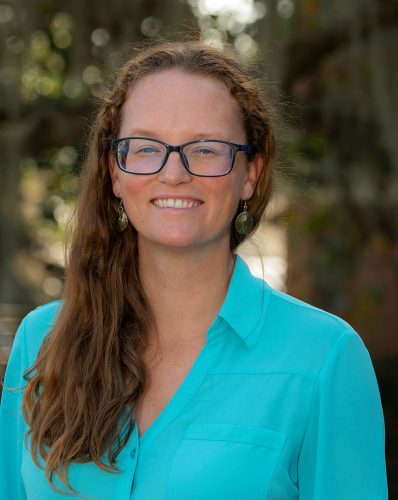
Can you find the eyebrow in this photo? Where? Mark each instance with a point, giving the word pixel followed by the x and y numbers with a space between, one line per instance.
pixel 151 133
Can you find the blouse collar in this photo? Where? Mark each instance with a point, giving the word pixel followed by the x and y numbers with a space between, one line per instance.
pixel 245 305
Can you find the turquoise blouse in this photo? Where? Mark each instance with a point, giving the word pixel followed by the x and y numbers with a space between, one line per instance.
pixel 282 403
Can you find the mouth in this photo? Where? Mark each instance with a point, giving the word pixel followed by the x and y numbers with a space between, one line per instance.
pixel 180 203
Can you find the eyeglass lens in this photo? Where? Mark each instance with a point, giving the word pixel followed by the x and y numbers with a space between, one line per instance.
pixel 146 156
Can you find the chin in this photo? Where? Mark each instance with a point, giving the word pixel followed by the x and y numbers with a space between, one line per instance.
pixel 172 240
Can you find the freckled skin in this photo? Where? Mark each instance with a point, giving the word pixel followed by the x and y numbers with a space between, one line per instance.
pixel 176 107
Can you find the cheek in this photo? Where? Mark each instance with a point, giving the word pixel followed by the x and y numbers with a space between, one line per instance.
pixel 132 186
pixel 133 191
pixel 226 196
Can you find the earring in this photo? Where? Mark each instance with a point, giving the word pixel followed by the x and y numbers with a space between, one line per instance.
pixel 244 221
pixel 122 219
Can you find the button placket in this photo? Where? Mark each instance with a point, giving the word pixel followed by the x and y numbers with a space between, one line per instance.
pixel 134 457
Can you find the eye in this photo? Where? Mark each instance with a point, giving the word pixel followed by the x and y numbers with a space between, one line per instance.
pixel 147 150
pixel 203 151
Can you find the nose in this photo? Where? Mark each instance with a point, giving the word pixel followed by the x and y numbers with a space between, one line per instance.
pixel 174 171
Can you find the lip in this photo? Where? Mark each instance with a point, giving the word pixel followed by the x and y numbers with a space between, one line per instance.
pixel 175 197
pixel 197 203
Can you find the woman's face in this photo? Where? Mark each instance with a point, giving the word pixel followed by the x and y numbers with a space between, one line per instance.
pixel 176 107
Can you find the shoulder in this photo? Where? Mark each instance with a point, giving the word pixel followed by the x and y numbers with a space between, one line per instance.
pixel 306 335
pixel 43 315
pixel 37 324
pixel 305 315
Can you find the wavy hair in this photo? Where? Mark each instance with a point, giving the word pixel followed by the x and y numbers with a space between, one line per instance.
pixel 89 371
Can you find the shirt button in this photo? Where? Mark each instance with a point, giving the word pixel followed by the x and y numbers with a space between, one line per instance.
pixel 133 452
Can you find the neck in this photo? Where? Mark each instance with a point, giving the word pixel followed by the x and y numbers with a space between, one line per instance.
pixel 186 289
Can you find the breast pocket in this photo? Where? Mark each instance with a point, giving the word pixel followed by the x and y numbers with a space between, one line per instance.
pixel 224 461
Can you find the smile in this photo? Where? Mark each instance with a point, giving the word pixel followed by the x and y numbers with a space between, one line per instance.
pixel 175 203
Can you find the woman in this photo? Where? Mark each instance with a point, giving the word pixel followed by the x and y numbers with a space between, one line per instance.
pixel 169 371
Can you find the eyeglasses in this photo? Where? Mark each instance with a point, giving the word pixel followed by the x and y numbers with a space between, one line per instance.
pixel 204 158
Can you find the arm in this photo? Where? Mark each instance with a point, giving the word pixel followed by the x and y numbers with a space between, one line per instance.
pixel 343 453
pixel 12 424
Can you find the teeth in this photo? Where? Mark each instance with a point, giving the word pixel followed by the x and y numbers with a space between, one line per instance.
pixel 175 203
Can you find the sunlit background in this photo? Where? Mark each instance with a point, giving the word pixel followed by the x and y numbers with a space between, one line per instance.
pixel 330 236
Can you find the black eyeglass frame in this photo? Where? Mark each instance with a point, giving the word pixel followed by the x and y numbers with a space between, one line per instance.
pixel 246 148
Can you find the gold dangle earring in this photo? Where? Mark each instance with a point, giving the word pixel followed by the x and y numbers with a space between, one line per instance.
pixel 122 219
pixel 244 221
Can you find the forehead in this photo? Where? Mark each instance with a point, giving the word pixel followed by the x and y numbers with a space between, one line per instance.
pixel 180 101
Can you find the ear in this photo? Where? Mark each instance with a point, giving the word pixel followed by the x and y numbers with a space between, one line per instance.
pixel 252 174
pixel 115 176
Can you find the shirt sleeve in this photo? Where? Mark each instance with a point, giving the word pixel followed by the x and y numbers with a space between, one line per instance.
pixel 12 424
pixel 343 451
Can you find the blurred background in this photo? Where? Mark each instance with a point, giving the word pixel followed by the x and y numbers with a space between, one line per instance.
pixel 331 69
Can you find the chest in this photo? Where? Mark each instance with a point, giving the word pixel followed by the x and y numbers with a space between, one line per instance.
pixel 166 372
